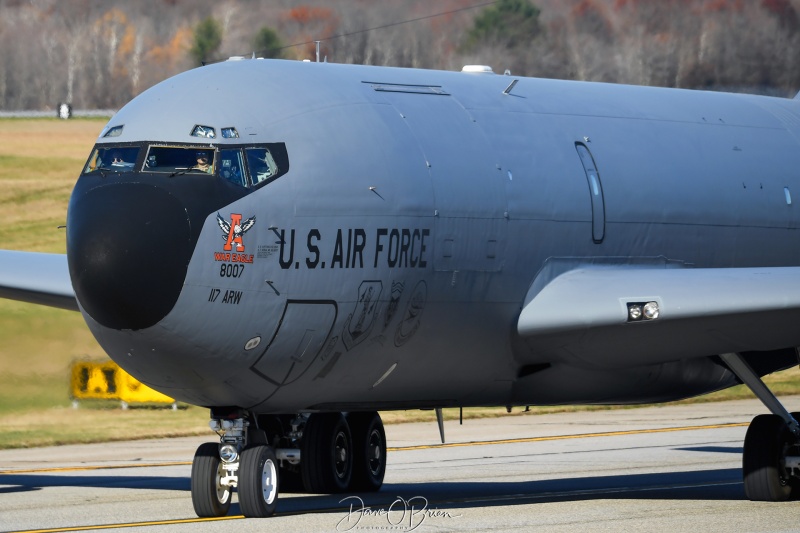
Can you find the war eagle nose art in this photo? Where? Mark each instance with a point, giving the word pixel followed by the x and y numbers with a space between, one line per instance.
pixel 232 231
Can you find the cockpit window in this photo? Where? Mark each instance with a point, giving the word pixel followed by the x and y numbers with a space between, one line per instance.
pixel 249 166
pixel 204 131
pixel 116 131
pixel 262 164
pixel 179 160
pixel 231 166
pixel 114 159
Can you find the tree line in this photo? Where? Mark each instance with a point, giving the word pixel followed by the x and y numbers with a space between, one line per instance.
pixel 99 54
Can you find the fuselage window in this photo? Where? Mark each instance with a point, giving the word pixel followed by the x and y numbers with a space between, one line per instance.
pixel 114 159
pixel 179 160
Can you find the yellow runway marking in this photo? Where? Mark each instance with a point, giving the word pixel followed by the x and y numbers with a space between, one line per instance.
pixel 132 524
pixel 91 467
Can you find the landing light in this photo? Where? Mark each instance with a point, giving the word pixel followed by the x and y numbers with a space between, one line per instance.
pixel 651 310
pixel 228 453
pixel 643 311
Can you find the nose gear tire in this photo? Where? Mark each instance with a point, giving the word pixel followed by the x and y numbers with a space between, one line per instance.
pixel 258 482
pixel 210 499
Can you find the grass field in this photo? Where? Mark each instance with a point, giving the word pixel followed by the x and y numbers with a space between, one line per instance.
pixel 40 160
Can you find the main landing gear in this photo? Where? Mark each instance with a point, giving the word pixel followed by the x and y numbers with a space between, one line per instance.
pixel 257 455
pixel 771 458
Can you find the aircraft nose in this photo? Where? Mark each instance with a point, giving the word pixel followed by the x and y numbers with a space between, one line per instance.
pixel 129 246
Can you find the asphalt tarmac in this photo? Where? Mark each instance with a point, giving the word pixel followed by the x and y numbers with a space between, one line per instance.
pixel 672 468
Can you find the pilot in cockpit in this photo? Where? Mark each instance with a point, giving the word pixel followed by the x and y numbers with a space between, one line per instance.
pixel 202 163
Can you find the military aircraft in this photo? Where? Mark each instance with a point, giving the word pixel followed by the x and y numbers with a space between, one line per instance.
pixel 297 245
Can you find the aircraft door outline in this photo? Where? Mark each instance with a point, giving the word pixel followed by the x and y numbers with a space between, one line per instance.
pixel 285 360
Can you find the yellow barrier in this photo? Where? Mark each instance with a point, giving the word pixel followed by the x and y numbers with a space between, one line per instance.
pixel 107 381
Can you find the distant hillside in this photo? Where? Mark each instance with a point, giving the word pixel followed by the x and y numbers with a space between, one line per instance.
pixel 100 53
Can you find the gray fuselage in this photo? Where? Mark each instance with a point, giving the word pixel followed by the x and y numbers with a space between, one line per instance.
pixel 387 267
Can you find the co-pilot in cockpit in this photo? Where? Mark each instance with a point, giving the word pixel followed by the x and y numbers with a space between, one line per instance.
pixel 118 159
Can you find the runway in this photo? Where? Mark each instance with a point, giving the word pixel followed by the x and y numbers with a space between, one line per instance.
pixel 675 468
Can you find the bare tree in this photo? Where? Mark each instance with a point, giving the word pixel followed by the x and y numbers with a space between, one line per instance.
pixel 100 53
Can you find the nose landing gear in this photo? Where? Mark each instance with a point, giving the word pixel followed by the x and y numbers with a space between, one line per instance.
pixel 218 469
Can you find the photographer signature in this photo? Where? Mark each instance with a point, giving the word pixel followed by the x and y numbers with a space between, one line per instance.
pixel 401 515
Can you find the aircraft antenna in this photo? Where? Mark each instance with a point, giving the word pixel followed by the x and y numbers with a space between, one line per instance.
pixel 317 42
pixel 510 87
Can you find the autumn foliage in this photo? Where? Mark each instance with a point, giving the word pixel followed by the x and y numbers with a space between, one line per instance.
pixel 101 53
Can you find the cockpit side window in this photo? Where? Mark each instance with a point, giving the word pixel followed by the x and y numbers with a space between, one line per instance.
pixel 262 165
pixel 112 158
pixel 231 166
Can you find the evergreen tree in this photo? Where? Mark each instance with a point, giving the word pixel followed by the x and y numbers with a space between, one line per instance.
pixel 509 23
pixel 206 41
pixel 268 44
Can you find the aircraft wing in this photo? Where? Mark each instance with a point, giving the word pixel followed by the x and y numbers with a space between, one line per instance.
pixel 36 278
pixel 582 315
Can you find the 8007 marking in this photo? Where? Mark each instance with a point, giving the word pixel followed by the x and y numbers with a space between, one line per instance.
pixel 231 271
